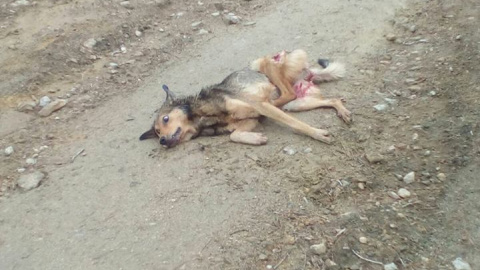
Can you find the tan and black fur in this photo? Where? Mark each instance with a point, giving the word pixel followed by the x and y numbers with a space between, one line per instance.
pixel 235 105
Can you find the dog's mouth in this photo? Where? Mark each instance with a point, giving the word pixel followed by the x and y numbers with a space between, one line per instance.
pixel 174 139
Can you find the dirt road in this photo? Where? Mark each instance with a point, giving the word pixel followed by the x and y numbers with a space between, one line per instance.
pixel 211 204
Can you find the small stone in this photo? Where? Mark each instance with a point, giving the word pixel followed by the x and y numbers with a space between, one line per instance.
pixel 126 4
pixel 252 157
pixel 138 33
pixel 459 37
pixel 415 88
pixel 380 107
pixel 113 65
pixel 269 266
pixel 307 150
pixel 26 106
pixel 202 32
pixel 52 106
pixel 460 264
pixel 393 195
pixel 318 249
pixel 390 101
pixel 415 136
pixel 391 149
pixel 398 176
pixel 31 180
pixel 442 177
pixel 363 240
pixel 9 150
pixel 20 3
pixel 374 158
pixel 289 150
pixel 231 18
pixel 404 193
pixel 21 170
pixel 249 23
pixel 413 28
pixel 262 257
pixel 195 25
pixel 44 101
pixel 401 146
pixel 329 263
pixel 390 266
pixel 361 185
pixel 215 14
pixel 90 43
pixel 123 49
pixel 427 153
pixel 391 37
pixel 31 161
pixel 409 178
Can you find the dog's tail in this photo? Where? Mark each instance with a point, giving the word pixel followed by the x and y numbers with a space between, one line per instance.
pixel 334 71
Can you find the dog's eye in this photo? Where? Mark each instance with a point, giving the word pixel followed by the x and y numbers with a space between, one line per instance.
pixel 165 119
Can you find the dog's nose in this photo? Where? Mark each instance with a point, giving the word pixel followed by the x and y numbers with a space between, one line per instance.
pixel 163 141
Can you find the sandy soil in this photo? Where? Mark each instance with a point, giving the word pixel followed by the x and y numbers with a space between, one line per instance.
pixel 212 204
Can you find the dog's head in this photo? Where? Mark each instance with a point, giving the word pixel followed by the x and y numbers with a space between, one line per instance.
pixel 173 123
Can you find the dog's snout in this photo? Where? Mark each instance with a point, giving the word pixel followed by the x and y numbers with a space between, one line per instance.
pixel 163 141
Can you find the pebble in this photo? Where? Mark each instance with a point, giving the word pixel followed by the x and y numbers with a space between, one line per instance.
pixel 374 158
pixel 26 106
pixel 52 106
pixel 361 185
pixel 363 240
pixel 113 65
pixel 415 136
pixel 307 150
pixel 231 18
pixel 413 28
pixel 390 266
pixel 9 150
pixel 289 150
pixel 126 4
pixel 196 24
pixel 263 257
pixel 427 153
pixel 138 33
pixel 330 263
pixel 20 3
pixel 391 37
pixel 90 43
pixel 21 170
pixel 459 37
pixel 393 195
pixel 202 32
pixel 409 178
pixel 391 101
pixel 319 249
pixel 269 266
pixel 215 14
pixel 31 180
pixel 249 23
pixel 442 177
pixel 460 264
pixel 44 101
pixel 31 161
pixel 380 107
pixel 289 240
pixel 432 93
pixel 404 193
pixel 391 149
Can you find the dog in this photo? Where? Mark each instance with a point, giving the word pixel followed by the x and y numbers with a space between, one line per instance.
pixel 235 105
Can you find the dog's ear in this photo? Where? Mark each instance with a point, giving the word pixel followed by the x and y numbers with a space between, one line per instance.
pixel 170 96
pixel 148 134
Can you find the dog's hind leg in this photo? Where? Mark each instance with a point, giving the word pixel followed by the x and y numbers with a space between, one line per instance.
pixel 242 132
pixel 311 102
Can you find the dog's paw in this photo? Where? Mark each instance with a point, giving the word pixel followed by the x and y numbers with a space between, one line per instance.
pixel 346 115
pixel 323 136
pixel 246 137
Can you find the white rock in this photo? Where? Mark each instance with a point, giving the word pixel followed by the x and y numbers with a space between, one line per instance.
pixel 20 3
pixel 138 33
pixel 393 195
pixel 415 136
pixel 215 14
pixel 319 249
pixel 363 240
pixel 44 101
pixel 52 106
pixel 409 178
pixel 9 150
pixel 391 37
pixel 21 170
pixel 31 180
pixel 460 264
pixel 390 266
pixel 380 107
pixel 391 101
pixel 31 161
pixel 289 150
pixel 231 18
pixel 432 93
pixel 202 32
pixel 404 193
pixel 196 24
pixel 263 257
pixel 90 43
pixel 126 4
pixel 307 150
